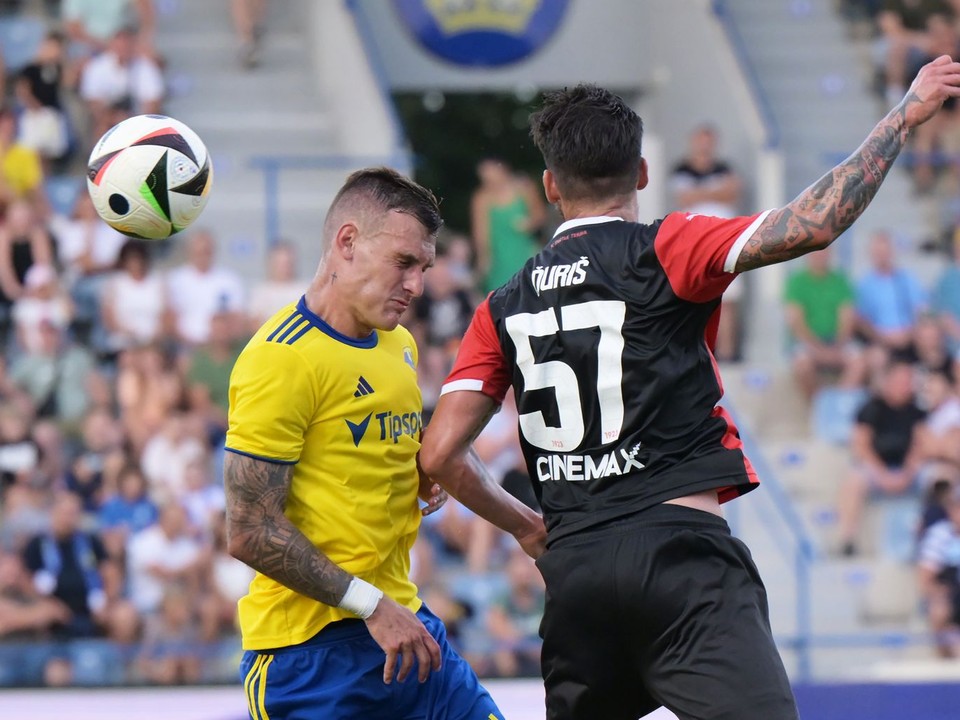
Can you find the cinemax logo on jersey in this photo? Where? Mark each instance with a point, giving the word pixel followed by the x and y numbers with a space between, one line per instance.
pixel 556 276
pixel 576 468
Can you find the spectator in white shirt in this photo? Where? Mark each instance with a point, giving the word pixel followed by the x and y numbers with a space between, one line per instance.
pixel 198 290
pixel 87 248
pixel 134 302
pixel 167 455
pixel 43 301
pixel 120 82
pixel 940 438
pixel 280 287
pixel 161 556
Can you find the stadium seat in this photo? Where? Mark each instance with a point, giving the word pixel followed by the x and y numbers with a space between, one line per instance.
pixel 19 39
pixel 62 191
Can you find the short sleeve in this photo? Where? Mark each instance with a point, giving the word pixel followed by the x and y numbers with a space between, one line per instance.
pixel 273 399
pixel 699 252
pixel 867 415
pixel 480 364
pixel 930 554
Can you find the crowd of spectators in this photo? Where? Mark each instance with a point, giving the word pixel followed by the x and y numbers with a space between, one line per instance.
pixel 116 359
pixel 114 373
pixel 905 35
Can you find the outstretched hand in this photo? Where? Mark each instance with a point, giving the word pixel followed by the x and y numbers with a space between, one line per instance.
pixel 402 637
pixel 938 80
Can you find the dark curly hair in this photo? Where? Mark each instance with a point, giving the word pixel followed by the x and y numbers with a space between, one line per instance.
pixel 590 140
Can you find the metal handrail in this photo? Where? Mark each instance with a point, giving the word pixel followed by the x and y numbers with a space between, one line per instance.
pixel 273 165
pixel 800 551
pixel 749 72
pixel 378 66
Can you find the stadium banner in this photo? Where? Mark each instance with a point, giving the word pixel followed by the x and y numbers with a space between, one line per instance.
pixel 481 33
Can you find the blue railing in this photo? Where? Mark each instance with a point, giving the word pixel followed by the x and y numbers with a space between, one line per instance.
pixel 790 533
pixel 273 165
pixel 749 72
pixel 378 67
pixel 398 158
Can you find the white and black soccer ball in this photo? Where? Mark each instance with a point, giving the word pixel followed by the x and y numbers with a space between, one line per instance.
pixel 149 176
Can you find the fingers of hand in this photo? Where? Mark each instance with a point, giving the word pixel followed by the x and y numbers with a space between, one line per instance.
pixel 406 663
pixel 428 657
pixel 390 666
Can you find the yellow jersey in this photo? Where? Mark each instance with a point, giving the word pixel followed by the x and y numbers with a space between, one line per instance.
pixel 347 413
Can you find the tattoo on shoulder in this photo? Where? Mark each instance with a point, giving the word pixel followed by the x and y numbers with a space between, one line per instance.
pixel 271 544
pixel 822 212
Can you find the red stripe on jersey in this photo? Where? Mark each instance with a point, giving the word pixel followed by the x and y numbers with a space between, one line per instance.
pixel 731 441
pixel 481 357
pixel 692 250
pixel 731 436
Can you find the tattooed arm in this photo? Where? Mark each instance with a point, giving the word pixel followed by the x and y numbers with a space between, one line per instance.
pixel 447 457
pixel 828 207
pixel 260 535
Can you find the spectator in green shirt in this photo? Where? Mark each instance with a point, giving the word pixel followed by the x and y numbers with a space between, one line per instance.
pixel 821 318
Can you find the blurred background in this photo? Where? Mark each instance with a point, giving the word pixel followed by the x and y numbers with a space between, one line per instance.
pixel 840 369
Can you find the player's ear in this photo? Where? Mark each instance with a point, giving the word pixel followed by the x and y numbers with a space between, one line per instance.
pixel 345 241
pixel 644 175
pixel 550 189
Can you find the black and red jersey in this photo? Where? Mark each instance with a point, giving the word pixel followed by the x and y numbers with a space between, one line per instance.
pixel 606 337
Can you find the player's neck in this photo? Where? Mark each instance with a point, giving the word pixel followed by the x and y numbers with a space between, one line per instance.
pixel 325 301
pixel 621 207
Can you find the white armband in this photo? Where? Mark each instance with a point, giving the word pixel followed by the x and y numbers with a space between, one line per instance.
pixel 361 598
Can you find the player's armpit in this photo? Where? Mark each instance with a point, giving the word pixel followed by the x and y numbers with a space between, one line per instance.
pixel 260 535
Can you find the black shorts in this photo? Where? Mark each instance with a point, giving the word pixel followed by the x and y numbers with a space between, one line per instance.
pixel 665 607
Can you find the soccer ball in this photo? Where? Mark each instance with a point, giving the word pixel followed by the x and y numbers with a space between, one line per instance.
pixel 149 176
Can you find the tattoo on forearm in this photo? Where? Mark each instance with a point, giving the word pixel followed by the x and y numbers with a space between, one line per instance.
pixel 270 543
pixel 821 213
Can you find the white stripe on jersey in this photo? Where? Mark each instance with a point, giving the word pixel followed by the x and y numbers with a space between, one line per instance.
pixel 940 546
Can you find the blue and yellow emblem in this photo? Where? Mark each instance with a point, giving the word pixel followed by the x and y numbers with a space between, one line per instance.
pixel 482 32
pixel 408 358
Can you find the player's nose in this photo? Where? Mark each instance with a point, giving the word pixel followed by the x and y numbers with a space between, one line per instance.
pixel 413 282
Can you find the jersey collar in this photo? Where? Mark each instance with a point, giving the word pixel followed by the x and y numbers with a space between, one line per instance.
pixel 318 322
pixel 577 222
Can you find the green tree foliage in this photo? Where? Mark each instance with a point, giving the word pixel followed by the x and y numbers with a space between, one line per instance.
pixel 451 132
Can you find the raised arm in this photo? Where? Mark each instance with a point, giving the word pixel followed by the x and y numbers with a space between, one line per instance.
pixel 260 535
pixel 447 457
pixel 821 213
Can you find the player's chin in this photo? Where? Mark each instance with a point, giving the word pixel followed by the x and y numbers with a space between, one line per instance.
pixel 389 320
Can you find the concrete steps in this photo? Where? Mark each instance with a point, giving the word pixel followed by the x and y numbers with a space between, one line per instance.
pixel 275 109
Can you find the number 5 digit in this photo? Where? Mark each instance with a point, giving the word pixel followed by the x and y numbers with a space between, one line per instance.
pixel 608 316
